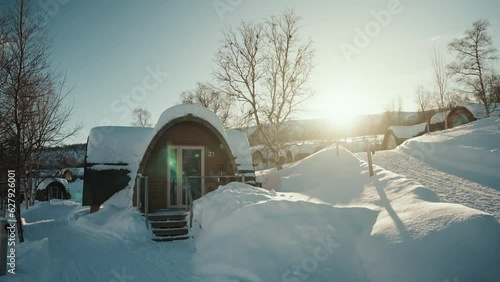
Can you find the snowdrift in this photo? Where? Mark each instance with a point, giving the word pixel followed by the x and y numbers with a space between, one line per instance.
pixel 339 224
pixel 471 151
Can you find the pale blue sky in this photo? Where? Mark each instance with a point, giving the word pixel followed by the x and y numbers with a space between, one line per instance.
pixel 106 46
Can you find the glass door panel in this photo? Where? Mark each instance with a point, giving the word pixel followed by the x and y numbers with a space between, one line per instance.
pixel 185 167
pixel 192 170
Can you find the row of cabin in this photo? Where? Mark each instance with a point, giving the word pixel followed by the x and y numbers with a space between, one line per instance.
pixel 188 148
pixel 461 114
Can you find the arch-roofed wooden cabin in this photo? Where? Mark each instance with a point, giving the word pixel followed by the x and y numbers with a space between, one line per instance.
pixel 396 135
pixel 188 145
pixel 52 188
pixel 462 114
pixel 458 116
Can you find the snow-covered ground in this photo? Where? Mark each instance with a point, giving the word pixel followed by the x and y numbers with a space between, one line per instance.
pixel 321 219
pixel 462 165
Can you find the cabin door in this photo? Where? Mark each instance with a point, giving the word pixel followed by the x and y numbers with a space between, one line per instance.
pixel 186 166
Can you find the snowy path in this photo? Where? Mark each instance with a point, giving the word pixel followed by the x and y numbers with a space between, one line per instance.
pixel 73 254
pixel 450 188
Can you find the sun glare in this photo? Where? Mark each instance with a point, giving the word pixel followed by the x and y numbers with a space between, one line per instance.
pixel 340 111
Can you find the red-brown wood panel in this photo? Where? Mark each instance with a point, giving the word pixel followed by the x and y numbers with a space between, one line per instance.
pixel 185 133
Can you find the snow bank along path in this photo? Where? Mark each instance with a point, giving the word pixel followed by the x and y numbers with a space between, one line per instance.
pixel 462 165
pixel 330 221
pixel 450 188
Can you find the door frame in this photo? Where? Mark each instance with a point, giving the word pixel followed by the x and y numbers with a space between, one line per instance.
pixel 180 179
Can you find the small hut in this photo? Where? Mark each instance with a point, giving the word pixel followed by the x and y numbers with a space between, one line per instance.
pixel 52 188
pixel 188 147
pixel 458 116
pixel 461 114
pixel 396 135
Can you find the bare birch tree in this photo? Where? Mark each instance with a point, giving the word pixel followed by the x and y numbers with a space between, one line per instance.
pixel 441 79
pixel 266 67
pixel 474 53
pixel 210 97
pixel 141 117
pixel 32 96
pixel 423 101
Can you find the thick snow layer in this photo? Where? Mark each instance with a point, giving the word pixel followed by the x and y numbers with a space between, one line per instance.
pixel 76 171
pixel 250 234
pixel 415 236
pixel 47 181
pixel 471 151
pixel 439 117
pixel 407 132
pixel 112 145
pixel 478 110
pixel 118 145
pixel 240 148
pixel 195 110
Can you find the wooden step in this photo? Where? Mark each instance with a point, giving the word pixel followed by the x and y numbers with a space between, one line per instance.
pixel 169 224
pixel 167 217
pixel 170 238
pixel 170 231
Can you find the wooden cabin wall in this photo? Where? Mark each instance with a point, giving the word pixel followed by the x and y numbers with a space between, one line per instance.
pixel 186 133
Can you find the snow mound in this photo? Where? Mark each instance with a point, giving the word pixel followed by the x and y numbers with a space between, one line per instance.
pixel 471 151
pixel 238 142
pixel 350 227
pixel 265 235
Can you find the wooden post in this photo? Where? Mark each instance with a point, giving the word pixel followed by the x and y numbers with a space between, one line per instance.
pixel 369 153
pixel 94 208
pixel 146 201
pixel 337 144
pixel 138 191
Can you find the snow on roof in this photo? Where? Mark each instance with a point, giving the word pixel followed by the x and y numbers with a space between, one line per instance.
pixel 439 117
pixel 408 131
pixel 112 145
pixel 186 109
pixel 47 181
pixel 240 148
pixel 118 145
pixel 478 111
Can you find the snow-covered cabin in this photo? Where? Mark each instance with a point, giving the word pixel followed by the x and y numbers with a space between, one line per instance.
pixel 461 114
pixel 188 146
pixel 468 112
pixel 52 188
pixel 396 135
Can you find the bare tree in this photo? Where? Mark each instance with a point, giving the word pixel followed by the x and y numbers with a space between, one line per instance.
pixel 493 87
pixel 210 97
pixel 266 66
pixel 32 95
pixel 441 79
pixel 141 117
pixel 423 101
pixel 471 68
pixel 393 112
pixel 400 113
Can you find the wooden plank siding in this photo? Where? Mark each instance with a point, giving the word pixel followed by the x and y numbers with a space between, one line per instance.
pixel 187 132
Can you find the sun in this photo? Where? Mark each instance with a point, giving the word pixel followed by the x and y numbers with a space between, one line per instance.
pixel 340 111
